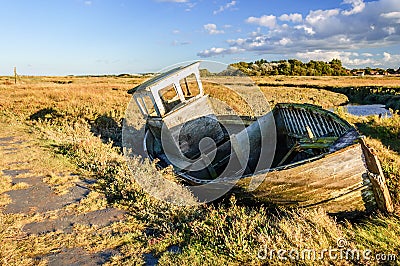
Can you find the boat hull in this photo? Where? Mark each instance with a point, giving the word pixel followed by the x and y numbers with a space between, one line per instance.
pixel 344 177
pixel 339 182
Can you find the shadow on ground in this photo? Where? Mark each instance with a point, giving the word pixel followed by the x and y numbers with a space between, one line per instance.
pixel 107 129
pixel 48 113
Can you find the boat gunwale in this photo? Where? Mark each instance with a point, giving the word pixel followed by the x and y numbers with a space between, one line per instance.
pixel 313 108
pixel 197 181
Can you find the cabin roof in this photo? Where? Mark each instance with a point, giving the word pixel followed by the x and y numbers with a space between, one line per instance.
pixel 161 77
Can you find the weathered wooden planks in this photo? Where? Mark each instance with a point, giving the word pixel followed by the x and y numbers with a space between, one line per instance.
pixel 377 178
pixel 316 161
pixel 336 182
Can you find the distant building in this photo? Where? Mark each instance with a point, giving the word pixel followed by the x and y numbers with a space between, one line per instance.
pixel 360 73
pixel 374 72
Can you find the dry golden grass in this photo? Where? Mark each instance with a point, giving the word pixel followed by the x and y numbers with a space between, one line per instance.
pixel 60 120
pixel 38 160
pixel 84 97
pixel 227 90
pixel 323 98
pixel 346 81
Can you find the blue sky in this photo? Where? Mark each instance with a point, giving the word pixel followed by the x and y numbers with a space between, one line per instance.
pixel 61 37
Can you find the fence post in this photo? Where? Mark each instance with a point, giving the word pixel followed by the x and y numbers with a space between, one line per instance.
pixel 15 75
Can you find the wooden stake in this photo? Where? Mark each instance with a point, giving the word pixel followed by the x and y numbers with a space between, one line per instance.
pixel 15 75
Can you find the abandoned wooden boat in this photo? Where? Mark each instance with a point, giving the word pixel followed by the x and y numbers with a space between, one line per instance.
pixel 318 159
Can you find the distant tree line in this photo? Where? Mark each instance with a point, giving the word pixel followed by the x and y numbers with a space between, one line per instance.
pixel 377 71
pixel 294 67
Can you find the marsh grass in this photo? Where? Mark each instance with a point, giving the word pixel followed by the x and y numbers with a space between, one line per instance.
pixel 383 136
pixel 323 98
pixel 387 81
pixel 61 184
pixel 360 90
pixel 68 123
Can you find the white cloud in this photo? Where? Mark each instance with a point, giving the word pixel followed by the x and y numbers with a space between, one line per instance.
pixel 285 41
pixel 324 33
pixel 392 16
pixel 358 7
pixel 351 59
pixel 386 56
pixel 212 29
pixel 323 55
pixel 219 51
pixel 307 30
pixel 265 21
pixel 258 42
pixel 391 60
pixel 357 62
pixel 88 3
pixel 225 7
pixel 238 41
pixel 390 30
pixel 296 18
pixel 318 16
pixel 176 31
pixel 256 33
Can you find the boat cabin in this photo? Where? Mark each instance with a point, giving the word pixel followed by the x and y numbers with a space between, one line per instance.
pixel 169 91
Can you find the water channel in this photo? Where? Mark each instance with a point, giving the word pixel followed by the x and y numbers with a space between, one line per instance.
pixel 368 109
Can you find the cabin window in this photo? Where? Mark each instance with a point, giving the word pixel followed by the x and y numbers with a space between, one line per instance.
pixel 170 97
pixel 189 86
pixel 146 105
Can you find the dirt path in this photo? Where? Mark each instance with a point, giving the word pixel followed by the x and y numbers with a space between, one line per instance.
pixel 40 209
